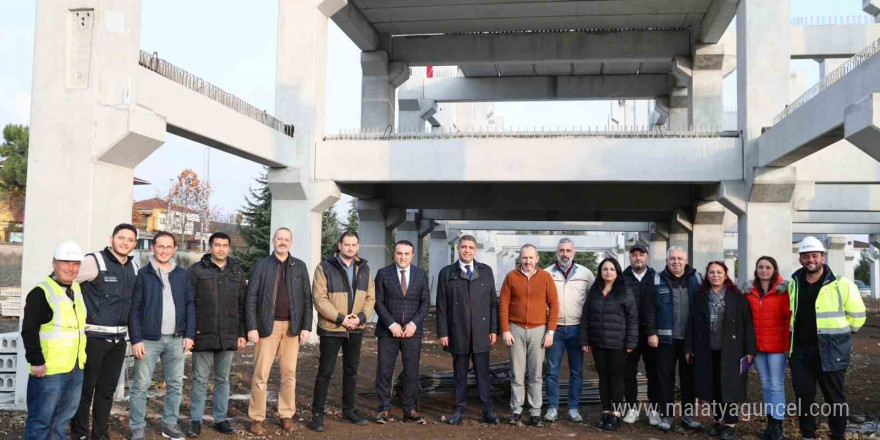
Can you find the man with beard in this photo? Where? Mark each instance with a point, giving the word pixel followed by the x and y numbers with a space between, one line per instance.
pixel 825 311
pixel 639 280
pixel 107 279
pixel 572 281
pixel 666 316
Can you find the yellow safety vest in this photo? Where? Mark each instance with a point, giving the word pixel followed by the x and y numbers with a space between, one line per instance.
pixel 63 339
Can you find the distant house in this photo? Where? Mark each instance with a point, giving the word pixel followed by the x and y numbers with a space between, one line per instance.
pixel 154 215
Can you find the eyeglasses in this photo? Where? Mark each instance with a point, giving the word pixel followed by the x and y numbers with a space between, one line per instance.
pixel 163 248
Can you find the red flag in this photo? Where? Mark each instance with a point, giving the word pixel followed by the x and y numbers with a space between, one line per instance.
pixel 430 72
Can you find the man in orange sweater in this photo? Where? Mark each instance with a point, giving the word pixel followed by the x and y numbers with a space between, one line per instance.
pixel 528 311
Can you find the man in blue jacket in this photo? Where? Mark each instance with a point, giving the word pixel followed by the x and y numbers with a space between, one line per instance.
pixel 162 326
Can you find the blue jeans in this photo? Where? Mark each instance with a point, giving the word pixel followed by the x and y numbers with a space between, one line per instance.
pixel 566 339
pixel 771 368
pixel 203 363
pixel 170 350
pixel 52 401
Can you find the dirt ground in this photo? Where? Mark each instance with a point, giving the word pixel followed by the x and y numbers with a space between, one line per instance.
pixel 862 383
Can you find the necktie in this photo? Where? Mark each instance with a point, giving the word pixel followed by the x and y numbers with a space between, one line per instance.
pixel 470 273
pixel 403 282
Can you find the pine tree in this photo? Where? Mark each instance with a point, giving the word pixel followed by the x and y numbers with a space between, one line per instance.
pixel 257 214
pixel 330 232
pixel 352 223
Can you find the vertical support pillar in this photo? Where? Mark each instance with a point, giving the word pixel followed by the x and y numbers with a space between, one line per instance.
pixel 730 262
pixel 828 65
pixel 679 99
pixel 874 254
pixel 414 228
pixel 376 226
pixel 706 108
pixel 439 256
pixel 378 87
pixel 836 256
pixel 657 245
pixel 681 234
pixel 708 234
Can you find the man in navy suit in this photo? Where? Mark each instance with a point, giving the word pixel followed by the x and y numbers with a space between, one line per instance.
pixel 402 300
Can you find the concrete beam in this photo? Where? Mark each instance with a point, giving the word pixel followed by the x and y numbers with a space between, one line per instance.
pixel 501 159
pixel 820 122
pixel 835 228
pixel 838 217
pixel 500 225
pixel 545 88
pixel 201 119
pixel 544 215
pixel 841 162
pixel 842 197
pixel 862 125
pixel 541 47
pixel 682 71
pixel 871 7
pixel 717 20
pixel 351 21
pixel 144 134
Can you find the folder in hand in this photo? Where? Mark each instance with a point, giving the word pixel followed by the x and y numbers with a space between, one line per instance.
pixel 745 364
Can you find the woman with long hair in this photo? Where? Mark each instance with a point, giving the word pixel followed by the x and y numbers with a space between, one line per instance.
pixel 771 314
pixel 719 337
pixel 610 329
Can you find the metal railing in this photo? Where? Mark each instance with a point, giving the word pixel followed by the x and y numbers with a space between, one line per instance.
pixel 641 132
pixel 829 80
pixel 832 20
pixel 199 85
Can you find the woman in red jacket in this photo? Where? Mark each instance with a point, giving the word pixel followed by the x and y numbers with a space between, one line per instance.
pixel 771 315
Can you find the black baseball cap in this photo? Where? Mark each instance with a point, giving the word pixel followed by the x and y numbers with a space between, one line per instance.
pixel 638 247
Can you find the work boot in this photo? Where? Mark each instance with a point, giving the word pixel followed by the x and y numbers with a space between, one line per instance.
pixel 257 427
pixel 195 428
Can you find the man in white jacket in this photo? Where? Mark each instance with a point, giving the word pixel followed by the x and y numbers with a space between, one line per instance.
pixel 572 283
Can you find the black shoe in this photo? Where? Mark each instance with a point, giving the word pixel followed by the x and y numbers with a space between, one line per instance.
pixel 603 422
pixel 224 427
pixel 456 418
pixel 515 419
pixel 195 428
pixel 412 416
pixel 728 433
pixel 317 423
pixel 765 434
pixel 613 423
pixel 776 432
pixel 354 418
pixel 383 417
pixel 715 430
pixel 537 422
pixel 491 418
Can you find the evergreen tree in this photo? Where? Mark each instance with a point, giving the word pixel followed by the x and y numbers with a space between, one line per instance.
pixel 863 270
pixel 330 232
pixel 257 214
pixel 13 173
pixel 352 223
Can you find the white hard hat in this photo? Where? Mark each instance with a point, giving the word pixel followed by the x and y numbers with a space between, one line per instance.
pixel 811 244
pixel 68 251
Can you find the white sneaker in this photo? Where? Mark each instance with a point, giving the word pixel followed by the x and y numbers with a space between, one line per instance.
pixel 653 418
pixel 575 416
pixel 631 416
pixel 551 415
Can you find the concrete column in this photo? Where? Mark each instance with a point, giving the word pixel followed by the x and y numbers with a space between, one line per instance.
pixel 413 111
pixel 414 228
pixel 86 133
pixel 378 87
pixel 681 234
pixel 708 234
pixel 829 65
pixel 875 276
pixel 849 268
pixel 679 99
pixel 706 106
pixel 730 262
pixel 439 256
pixel 376 227
pixel 657 245
pixel 795 256
pixel 836 255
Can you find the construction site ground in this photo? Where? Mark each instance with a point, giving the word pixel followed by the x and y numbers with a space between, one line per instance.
pixel 862 383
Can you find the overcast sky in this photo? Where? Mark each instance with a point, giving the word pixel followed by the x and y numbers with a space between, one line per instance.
pixel 233 46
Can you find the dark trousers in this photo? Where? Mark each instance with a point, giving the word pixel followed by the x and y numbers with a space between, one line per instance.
pixel 648 355
pixel 459 378
pixel 351 358
pixel 409 349
pixel 668 356
pixel 806 372
pixel 722 411
pixel 610 364
pixel 104 359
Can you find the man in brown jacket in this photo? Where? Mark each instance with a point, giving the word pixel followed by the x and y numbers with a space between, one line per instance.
pixel 344 297
pixel 528 311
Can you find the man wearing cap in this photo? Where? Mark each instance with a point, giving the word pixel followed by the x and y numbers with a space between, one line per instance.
pixel 639 279
pixel 572 283
pixel 53 333
pixel 825 310
pixel 107 279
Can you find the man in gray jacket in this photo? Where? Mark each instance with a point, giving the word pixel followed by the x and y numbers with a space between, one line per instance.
pixel 278 315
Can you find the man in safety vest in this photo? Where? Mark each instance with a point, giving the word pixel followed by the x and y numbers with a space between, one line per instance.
pixel 53 332
pixel 825 311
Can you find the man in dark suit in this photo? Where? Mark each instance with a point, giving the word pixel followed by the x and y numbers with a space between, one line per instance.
pixel 402 300
pixel 467 324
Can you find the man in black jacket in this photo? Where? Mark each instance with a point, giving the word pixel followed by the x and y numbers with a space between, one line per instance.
pixel 107 279
pixel 278 316
pixel 402 300
pixel 639 280
pixel 219 287
pixel 467 325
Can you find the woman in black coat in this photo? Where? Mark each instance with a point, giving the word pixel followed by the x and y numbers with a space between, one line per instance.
pixel 719 335
pixel 610 330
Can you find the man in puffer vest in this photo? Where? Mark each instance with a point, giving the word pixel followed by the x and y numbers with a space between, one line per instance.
pixel 54 337
pixel 825 311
